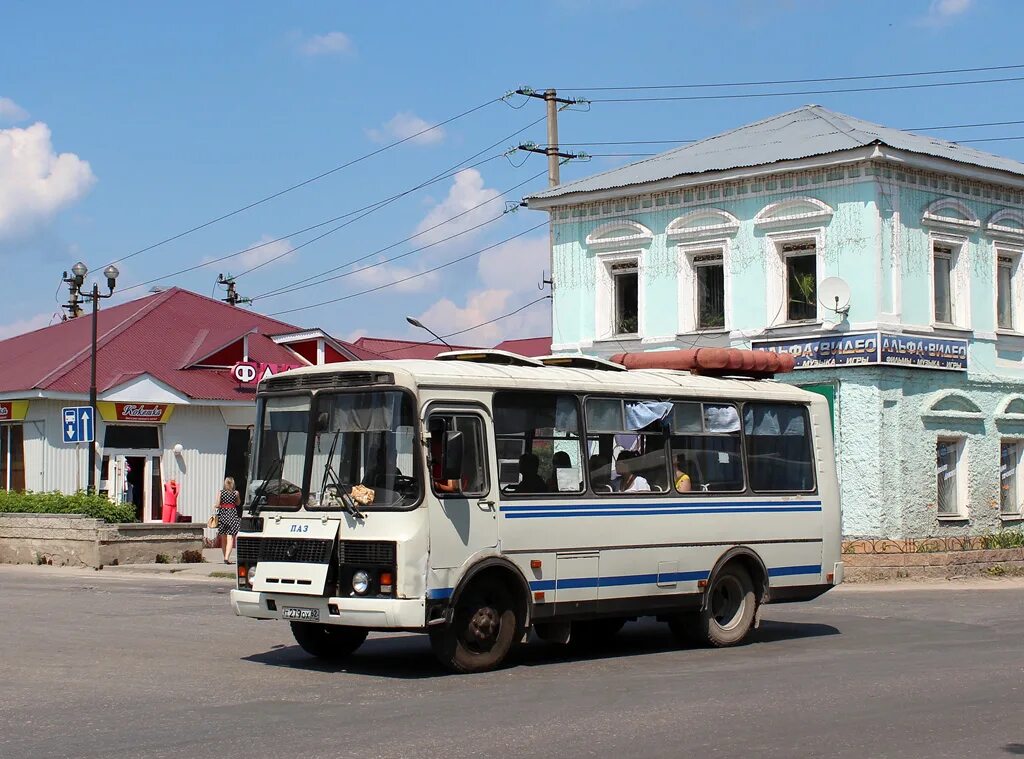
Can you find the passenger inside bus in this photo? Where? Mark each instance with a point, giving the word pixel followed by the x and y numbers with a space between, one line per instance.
pixel 627 468
pixel 680 476
pixel 529 480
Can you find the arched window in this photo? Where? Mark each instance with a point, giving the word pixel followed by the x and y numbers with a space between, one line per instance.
pixel 1006 224
pixel 950 213
pixel 617 234
pixel 704 222
pixel 951 403
pixel 794 212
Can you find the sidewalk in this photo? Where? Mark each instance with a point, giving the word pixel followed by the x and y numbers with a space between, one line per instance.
pixel 213 566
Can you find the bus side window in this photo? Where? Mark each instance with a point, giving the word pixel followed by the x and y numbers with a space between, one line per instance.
pixel 706 451
pixel 626 445
pixel 778 440
pixel 537 437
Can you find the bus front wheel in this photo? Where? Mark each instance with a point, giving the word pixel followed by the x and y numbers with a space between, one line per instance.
pixel 728 611
pixel 483 630
pixel 328 642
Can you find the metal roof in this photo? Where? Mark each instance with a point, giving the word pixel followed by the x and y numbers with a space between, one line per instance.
pixel 802 133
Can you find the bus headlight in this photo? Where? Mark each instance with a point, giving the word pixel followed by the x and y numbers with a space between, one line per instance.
pixel 360 582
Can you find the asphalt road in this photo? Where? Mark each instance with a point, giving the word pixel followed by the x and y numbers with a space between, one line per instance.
pixel 134 666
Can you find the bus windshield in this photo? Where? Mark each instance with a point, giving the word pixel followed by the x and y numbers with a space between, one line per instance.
pixel 277 479
pixel 364 449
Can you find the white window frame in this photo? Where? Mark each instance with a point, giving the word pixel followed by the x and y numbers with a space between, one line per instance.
pixel 604 296
pixel 689 312
pixel 775 274
pixel 1019 445
pixel 960 444
pixel 1015 254
pixel 959 281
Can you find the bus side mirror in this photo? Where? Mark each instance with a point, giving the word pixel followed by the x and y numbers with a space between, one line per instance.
pixel 451 455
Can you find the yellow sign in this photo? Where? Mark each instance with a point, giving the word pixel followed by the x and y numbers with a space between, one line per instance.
pixel 147 413
pixel 13 411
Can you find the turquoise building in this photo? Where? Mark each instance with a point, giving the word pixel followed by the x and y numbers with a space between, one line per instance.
pixel 887 263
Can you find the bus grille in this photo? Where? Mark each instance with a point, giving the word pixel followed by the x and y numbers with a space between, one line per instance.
pixel 253 550
pixel 327 381
pixel 366 552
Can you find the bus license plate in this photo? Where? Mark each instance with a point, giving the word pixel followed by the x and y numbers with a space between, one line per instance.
pixel 303 615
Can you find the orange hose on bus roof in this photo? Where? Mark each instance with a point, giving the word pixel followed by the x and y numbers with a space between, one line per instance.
pixel 711 361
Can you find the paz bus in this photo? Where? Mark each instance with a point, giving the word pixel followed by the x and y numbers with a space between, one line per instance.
pixel 481 495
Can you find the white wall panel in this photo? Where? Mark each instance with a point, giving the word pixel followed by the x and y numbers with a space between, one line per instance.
pixel 200 467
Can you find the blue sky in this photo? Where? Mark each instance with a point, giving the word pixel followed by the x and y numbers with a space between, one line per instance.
pixel 126 123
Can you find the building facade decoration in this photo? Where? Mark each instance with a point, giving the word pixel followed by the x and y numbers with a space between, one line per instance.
pixel 924 364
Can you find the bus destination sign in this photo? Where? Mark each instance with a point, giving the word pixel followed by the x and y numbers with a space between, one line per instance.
pixel 871 348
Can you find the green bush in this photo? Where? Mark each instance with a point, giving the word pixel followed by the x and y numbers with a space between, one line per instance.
pixel 94 506
pixel 1004 539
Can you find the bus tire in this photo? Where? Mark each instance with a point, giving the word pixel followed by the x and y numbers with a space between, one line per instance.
pixel 594 633
pixel 728 611
pixel 483 630
pixel 328 642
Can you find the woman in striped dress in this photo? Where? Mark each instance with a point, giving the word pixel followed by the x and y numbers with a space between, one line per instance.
pixel 228 521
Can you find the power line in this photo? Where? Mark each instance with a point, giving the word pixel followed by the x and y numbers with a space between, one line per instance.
pixel 838 90
pixel 368 209
pixel 371 207
pixel 796 81
pixel 315 279
pixel 412 276
pixel 310 180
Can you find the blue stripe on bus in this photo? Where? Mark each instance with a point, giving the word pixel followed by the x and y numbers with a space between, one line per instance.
pixel 648 579
pixel 655 512
pixel 655 504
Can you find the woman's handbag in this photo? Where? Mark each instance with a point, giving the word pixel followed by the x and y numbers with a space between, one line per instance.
pixel 211 523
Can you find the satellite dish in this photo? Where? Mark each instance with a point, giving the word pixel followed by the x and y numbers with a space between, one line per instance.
pixel 834 294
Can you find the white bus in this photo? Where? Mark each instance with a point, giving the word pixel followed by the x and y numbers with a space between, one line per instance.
pixel 484 495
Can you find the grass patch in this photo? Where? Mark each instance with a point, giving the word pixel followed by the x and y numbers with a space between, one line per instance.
pixel 225 575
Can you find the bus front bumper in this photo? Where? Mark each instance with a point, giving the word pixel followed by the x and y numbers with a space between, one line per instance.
pixel 376 613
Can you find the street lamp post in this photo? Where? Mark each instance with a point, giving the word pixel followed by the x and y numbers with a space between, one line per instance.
pixel 111 272
pixel 421 325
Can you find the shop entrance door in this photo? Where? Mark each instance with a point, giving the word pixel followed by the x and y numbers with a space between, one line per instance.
pixel 237 460
pixel 134 478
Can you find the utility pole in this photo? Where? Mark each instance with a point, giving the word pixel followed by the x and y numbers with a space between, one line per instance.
pixel 552 102
pixel 232 297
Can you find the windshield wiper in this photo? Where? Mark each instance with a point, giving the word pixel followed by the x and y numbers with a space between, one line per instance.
pixel 349 505
pixel 261 491
pixel 329 473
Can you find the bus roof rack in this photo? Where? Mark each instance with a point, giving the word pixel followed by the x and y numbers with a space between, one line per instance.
pixel 712 362
pixel 581 362
pixel 503 358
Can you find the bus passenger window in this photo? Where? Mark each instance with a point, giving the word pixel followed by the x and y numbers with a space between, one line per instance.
pixel 626 445
pixel 706 453
pixel 778 447
pixel 537 437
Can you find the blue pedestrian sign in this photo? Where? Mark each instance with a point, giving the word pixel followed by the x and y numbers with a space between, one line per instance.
pixel 79 426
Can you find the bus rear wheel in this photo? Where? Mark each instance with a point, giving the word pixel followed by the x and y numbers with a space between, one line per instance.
pixel 328 642
pixel 728 611
pixel 483 630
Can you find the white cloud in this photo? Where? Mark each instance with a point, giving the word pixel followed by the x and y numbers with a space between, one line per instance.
pixel 332 43
pixel 270 249
pixel 445 317
pixel 467 191
pixel 943 12
pixel 11 112
pixel 21 326
pixel 35 182
pixel 385 273
pixel 508 277
pixel 406 124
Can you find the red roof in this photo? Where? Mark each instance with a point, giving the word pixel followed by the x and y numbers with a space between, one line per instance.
pixel 526 346
pixel 382 347
pixel 160 335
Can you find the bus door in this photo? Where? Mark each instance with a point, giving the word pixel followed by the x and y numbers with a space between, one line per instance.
pixel 463 519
